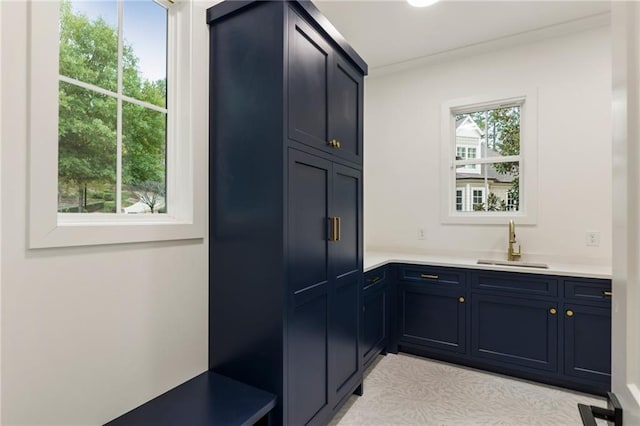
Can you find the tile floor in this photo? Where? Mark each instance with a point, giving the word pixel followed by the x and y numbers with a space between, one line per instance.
pixel 409 390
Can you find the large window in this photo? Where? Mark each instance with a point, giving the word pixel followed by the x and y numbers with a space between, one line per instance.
pixel 118 121
pixel 485 141
pixel 112 115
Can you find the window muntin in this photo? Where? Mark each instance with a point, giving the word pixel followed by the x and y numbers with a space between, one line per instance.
pixel 107 168
pixel 487 146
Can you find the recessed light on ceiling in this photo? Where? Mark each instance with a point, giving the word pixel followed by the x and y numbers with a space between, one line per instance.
pixel 421 3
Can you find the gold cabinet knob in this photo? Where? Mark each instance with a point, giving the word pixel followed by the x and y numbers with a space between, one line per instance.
pixel 569 313
pixel 337 144
pixel 332 142
pixel 553 311
pixel 461 299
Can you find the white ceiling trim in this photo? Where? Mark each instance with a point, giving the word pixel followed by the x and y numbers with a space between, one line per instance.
pixel 557 30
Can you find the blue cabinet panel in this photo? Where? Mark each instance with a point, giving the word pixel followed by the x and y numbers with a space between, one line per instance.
pixel 587 342
pixel 515 331
pixel 309 179
pixel 308 333
pixel 346 261
pixel 433 317
pixel 586 290
pixel 374 321
pixel 309 64
pixel 516 283
pixel 345 112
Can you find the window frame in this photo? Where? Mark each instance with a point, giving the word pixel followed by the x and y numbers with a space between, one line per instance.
pixel 527 215
pixel 187 130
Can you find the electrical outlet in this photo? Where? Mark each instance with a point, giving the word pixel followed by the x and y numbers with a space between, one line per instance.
pixel 593 238
pixel 422 234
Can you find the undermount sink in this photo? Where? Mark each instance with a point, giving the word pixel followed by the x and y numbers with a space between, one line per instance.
pixel 513 263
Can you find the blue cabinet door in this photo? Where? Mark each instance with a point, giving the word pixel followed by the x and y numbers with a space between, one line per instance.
pixel 373 334
pixel 345 109
pixel 515 331
pixel 587 342
pixel 310 61
pixel 433 316
pixel 346 280
pixel 325 94
pixel 309 284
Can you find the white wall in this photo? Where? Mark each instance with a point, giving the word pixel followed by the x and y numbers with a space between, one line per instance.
pixel 87 333
pixel 626 231
pixel 402 132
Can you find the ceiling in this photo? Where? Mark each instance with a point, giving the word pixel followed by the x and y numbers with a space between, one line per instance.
pixel 392 31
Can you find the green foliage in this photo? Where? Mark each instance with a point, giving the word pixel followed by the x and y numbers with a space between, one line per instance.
pixel 503 135
pixel 88 120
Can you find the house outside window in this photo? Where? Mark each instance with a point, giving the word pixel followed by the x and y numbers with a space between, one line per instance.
pixel 484 142
pixel 494 133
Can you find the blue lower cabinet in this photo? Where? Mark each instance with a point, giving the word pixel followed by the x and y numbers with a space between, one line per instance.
pixel 374 317
pixel 515 331
pixel 433 316
pixel 587 342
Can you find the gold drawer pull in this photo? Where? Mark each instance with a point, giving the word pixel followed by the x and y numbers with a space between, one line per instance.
pixel 373 280
pixel 569 313
pixel 332 143
pixel 429 276
pixel 337 144
pixel 553 311
pixel 607 293
pixel 333 235
pixel 461 299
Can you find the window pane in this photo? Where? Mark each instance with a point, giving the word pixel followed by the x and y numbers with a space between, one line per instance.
pixel 86 150
pixel 145 51
pixel 491 133
pixel 89 42
pixel 143 159
pixel 493 187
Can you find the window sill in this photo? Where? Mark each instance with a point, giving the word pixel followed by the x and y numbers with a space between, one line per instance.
pixel 499 218
pixel 70 233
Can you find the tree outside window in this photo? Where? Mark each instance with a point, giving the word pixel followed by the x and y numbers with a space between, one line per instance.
pixel 112 132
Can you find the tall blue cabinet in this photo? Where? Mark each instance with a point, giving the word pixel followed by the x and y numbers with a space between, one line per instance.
pixel 286 95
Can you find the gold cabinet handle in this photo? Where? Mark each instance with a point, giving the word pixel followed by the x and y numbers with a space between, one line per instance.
pixel 333 235
pixel 569 313
pixel 461 299
pixel 337 144
pixel 373 280
pixel 607 293
pixel 332 142
pixel 553 311
pixel 339 232
pixel 429 276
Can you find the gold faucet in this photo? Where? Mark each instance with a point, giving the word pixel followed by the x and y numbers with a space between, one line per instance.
pixel 512 254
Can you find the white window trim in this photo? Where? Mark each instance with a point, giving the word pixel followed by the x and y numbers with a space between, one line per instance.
pixel 528 158
pixel 187 157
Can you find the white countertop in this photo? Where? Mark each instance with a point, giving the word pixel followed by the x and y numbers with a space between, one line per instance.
pixel 374 259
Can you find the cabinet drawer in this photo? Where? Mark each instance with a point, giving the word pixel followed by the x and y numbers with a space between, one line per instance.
pixel 593 290
pixel 433 275
pixel 506 282
pixel 374 277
